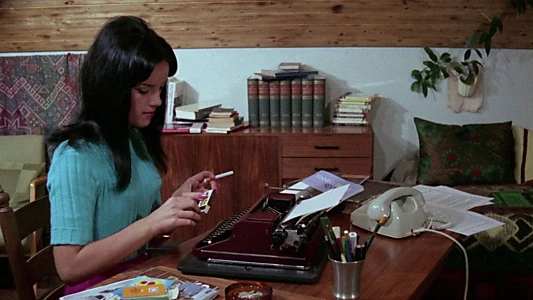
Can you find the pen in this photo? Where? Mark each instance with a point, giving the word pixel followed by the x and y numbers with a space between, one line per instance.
pixel 354 240
pixel 364 180
pixel 349 251
pixel 219 176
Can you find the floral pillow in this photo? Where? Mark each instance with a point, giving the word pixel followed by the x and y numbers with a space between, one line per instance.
pixel 467 154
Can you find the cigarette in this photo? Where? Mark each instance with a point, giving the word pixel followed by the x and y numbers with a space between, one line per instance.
pixel 219 176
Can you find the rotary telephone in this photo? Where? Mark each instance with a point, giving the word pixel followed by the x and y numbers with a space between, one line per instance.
pixel 402 206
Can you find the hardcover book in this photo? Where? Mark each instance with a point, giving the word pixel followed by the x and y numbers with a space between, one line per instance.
pixel 285 103
pixel 264 103
pixel 253 101
pixel 296 102
pixel 319 101
pixel 307 102
pixel 279 74
pixel 289 66
pixel 274 93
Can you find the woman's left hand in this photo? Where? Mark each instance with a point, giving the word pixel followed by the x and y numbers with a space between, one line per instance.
pixel 200 182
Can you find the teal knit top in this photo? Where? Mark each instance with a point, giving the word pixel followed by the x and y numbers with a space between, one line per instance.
pixel 85 205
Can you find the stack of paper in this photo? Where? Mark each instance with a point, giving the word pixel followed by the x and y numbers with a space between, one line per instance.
pixel 451 205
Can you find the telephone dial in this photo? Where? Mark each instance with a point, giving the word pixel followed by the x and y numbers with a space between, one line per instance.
pixel 403 207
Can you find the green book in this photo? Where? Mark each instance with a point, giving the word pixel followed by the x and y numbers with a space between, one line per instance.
pixel 253 101
pixel 307 102
pixel 319 101
pixel 296 102
pixel 275 117
pixel 285 103
pixel 264 103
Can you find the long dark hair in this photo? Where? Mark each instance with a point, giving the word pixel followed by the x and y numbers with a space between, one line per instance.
pixel 124 54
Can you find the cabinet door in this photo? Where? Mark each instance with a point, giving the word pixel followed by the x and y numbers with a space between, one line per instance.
pixel 179 162
pixel 215 153
pixel 257 161
pixel 179 150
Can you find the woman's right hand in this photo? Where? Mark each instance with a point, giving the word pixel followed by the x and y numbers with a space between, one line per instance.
pixel 175 212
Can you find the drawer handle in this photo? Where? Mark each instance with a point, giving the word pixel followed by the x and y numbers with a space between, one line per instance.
pixel 319 147
pixel 326 169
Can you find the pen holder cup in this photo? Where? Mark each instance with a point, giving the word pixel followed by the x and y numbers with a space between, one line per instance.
pixel 346 278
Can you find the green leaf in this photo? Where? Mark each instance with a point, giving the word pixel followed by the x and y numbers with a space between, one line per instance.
pixel 416 75
pixel 444 72
pixel 431 54
pixel 446 57
pixel 415 86
pixel 488 45
pixel 473 40
pixel 467 54
pixel 499 23
pixel 425 90
pixel 469 80
pixel 428 63
pixel 479 52
pixel 476 68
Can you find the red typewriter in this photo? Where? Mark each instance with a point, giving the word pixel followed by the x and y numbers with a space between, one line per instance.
pixel 257 237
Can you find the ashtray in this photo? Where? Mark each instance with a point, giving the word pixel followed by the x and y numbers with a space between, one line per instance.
pixel 248 290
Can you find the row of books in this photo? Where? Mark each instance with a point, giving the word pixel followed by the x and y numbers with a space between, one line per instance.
pixel 286 102
pixel 353 110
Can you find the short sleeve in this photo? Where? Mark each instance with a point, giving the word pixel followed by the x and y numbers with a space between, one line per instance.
pixel 73 196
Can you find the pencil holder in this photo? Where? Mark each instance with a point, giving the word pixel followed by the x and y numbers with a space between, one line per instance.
pixel 346 278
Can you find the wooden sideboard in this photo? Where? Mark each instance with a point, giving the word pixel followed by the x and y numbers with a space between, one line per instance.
pixel 262 155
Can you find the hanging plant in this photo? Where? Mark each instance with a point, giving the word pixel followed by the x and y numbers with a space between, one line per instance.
pixel 467 69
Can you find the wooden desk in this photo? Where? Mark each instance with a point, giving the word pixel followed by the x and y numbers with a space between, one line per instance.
pixel 394 269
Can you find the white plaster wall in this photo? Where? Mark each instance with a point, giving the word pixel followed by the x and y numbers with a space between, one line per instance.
pixel 220 75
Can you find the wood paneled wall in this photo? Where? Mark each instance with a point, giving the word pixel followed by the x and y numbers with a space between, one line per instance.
pixel 68 25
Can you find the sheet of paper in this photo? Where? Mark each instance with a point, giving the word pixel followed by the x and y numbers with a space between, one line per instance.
pixel 323 181
pixel 464 222
pixel 323 201
pixel 450 197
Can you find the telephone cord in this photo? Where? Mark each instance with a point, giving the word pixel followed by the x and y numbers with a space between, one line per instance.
pixel 416 231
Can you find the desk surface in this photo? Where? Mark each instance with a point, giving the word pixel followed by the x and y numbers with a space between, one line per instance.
pixel 394 269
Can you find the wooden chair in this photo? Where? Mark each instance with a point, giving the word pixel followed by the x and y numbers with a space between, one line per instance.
pixel 33 269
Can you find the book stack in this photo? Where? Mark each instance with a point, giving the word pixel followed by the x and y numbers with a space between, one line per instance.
pixel 353 110
pixel 195 111
pixel 287 97
pixel 224 120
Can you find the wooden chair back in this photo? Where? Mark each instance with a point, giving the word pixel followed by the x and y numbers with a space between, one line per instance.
pixel 28 270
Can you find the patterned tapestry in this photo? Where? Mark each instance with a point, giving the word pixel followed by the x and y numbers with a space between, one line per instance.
pixel 38 93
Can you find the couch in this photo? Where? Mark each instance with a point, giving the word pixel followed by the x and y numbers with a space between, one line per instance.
pixel 490 160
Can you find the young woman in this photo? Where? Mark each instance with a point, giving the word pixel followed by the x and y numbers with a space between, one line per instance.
pixel 104 181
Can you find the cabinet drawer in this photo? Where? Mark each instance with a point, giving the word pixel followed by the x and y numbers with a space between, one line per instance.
pixel 317 145
pixel 294 168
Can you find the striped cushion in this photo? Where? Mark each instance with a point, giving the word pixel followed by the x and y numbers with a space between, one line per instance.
pixel 523 154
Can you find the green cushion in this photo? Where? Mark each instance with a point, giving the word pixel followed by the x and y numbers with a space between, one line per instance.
pixel 15 179
pixel 468 154
pixel 22 148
